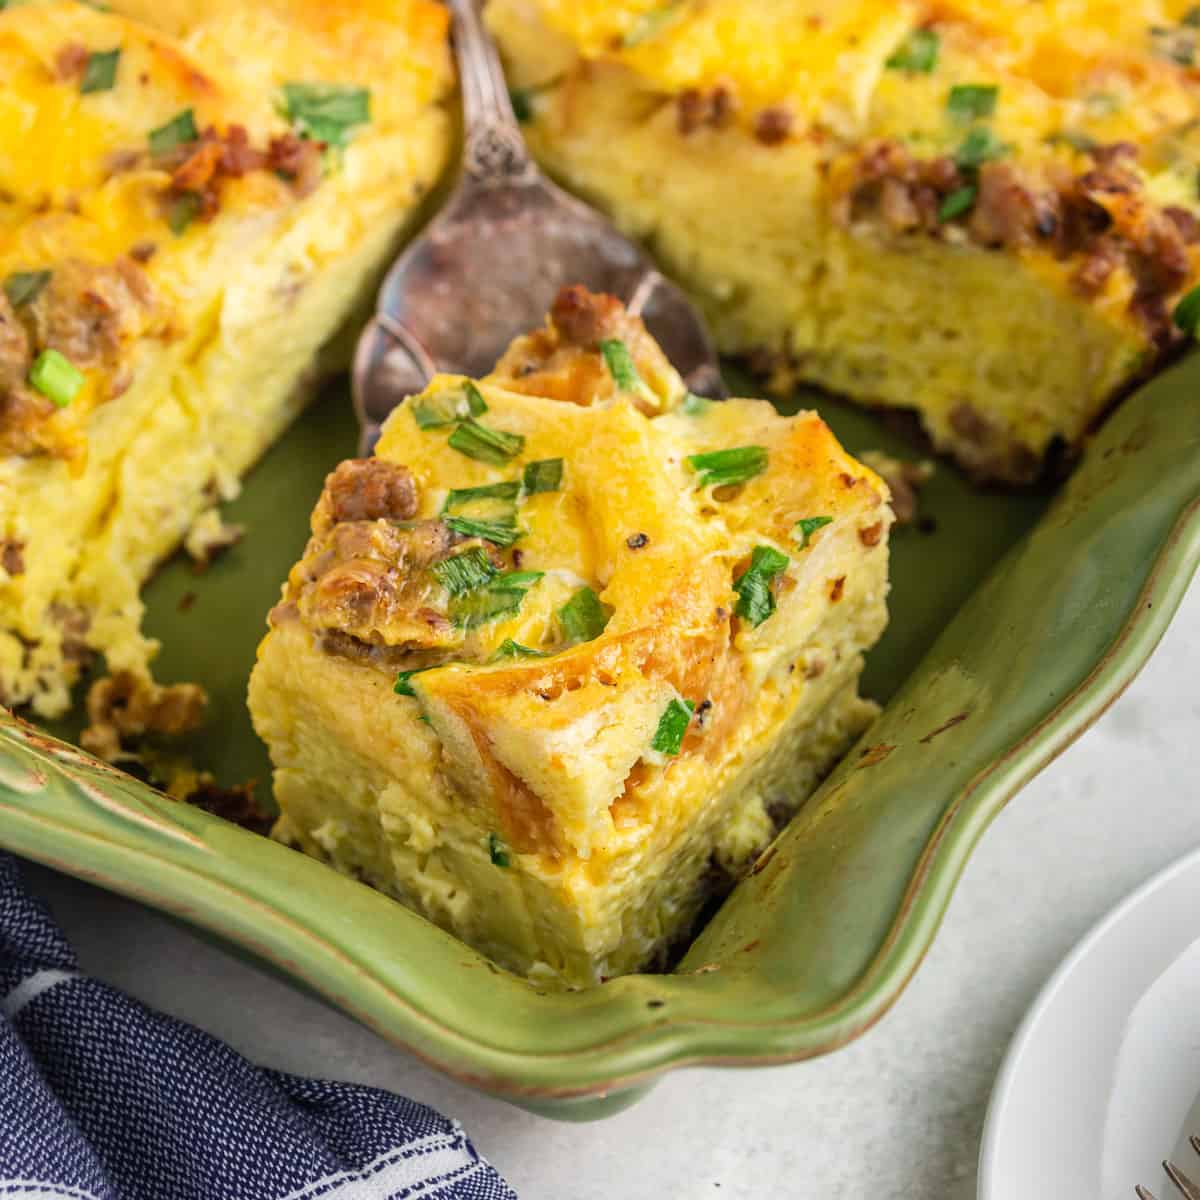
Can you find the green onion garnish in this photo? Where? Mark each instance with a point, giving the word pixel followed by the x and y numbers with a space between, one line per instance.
pixel 56 377
pixel 720 468
pixel 501 598
pixel 488 512
pixel 977 147
pixel 1191 18
pixel 448 406
pixel 968 101
pixel 510 649
pixel 497 851
pixel 485 444
pixel 465 572
pixel 182 210
pixel 521 100
pixel 672 725
pixel 756 601
pixel 101 71
pixel 326 112
pixel 807 526
pixel 402 687
pixel 622 368
pixel 178 131
pixel 695 406
pixel 24 287
pixel 1187 312
pixel 918 52
pixel 958 202
pixel 545 475
pixel 584 617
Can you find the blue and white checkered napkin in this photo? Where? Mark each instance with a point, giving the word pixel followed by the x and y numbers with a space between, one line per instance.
pixel 104 1099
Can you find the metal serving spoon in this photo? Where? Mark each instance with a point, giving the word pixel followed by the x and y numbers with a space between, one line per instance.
pixel 491 262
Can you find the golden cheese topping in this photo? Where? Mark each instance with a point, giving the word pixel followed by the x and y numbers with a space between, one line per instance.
pixel 143 150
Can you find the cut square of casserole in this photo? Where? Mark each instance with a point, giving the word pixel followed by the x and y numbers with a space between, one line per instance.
pixel 561 657
pixel 983 210
pixel 194 198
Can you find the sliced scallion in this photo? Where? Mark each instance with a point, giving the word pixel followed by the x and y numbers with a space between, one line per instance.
pixel 501 598
pixel 447 406
pixel 485 444
pixel 326 112
pixel 100 74
pixel 918 52
pixel 498 851
pixel 672 726
pixel 180 130
pixel 56 377
pixel 1187 312
pixel 970 101
pixel 584 617
pixel 465 572
pixel 719 468
pixel 545 475
pixel 24 287
pixel 958 202
pixel 756 601
pixel 510 649
pixel 807 526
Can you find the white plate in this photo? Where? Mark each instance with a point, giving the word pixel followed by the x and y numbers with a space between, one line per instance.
pixel 1102 1079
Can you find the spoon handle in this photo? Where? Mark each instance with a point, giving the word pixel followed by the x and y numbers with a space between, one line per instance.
pixel 493 148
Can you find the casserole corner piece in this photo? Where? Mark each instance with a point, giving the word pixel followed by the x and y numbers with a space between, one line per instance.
pixel 563 656
pixel 194 199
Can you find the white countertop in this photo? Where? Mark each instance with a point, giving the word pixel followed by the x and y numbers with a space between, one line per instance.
pixel 897 1114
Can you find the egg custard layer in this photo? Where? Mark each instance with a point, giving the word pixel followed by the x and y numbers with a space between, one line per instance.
pixel 562 656
pixel 983 210
pixel 194 198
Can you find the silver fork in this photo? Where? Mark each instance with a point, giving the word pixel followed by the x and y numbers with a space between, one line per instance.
pixel 1186 1187
pixel 490 263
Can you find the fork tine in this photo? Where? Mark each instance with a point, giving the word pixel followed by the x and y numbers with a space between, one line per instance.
pixel 1143 1193
pixel 1187 1189
pixel 1194 1142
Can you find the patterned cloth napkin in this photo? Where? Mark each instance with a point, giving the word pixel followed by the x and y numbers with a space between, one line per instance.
pixel 104 1099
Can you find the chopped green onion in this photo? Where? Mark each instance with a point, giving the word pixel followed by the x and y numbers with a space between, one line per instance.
pixel 489 512
pixel 326 112
pixel 1082 143
pixel 545 475
pixel 182 210
pixel 672 725
pixel 720 468
pixel 622 368
pixel 521 100
pixel 695 406
pixel 648 24
pixel 24 287
pixel 918 52
pixel 967 101
pixel 756 601
pixel 510 649
pixel 484 444
pixel 178 131
pixel 497 851
pixel 100 74
pixel 402 687
pixel 1187 312
pixel 977 147
pixel 448 406
pixel 56 377
pixel 1191 18
pixel 584 617
pixel 466 572
pixel 958 202
pixel 1179 45
pixel 807 526
pixel 501 598
pixel 489 531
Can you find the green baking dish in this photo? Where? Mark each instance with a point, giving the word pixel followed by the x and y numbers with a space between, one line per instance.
pixel 1014 626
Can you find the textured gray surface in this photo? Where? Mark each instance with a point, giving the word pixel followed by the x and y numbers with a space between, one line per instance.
pixel 897 1114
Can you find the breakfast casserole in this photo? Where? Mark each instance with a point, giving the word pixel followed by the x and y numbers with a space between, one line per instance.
pixel 983 210
pixel 560 658
pixel 194 198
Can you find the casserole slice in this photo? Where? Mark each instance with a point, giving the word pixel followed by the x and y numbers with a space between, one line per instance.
pixel 194 197
pixel 562 656
pixel 985 212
